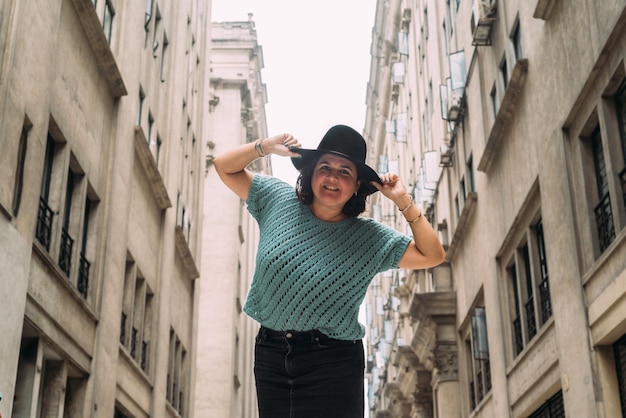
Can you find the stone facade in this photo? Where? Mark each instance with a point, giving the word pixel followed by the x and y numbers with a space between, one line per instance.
pixel 103 117
pixel 225 380
pixel 508 121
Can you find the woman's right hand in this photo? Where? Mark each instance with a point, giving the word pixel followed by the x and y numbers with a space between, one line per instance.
pixel 281 145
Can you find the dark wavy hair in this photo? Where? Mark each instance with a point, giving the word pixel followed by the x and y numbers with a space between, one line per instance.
pixel 353 207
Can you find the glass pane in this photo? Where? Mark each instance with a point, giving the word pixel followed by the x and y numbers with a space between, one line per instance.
pixel 458 75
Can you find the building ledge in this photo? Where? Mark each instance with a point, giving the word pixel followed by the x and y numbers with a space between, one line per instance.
pixel 505 114
pixel 434 304
pixel 100 46
pixel 182 248
pixel 544 9
pixel 428 311
pixel 150 168
pixel 459 232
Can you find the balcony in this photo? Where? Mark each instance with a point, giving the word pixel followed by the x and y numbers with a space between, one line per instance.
pixel 544 9
pixel 482 21
pixel 100 46
pixel 505 114
pixel 182 248
pixel 150 168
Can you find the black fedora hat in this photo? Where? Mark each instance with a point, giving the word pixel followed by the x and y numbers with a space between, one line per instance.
pixel 345 142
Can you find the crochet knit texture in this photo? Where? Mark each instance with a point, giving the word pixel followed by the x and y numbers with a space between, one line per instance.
pixel 312 274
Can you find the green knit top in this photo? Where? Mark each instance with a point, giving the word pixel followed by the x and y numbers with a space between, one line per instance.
pixel 312 274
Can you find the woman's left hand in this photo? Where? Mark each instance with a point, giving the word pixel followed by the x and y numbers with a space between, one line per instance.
pixel 393 188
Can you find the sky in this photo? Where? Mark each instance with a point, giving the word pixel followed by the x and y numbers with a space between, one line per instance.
pixel 317 63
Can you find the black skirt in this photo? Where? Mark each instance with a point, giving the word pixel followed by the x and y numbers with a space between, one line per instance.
pixel 308 375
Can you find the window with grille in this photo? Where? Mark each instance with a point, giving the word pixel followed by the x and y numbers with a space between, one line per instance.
pixel 528 287
pixel 477 353
pixel 552 408
pixel 603 168
pixel 137 317
pixel 620 105
pixel 524 272
pixel 619 350
pixel 176 387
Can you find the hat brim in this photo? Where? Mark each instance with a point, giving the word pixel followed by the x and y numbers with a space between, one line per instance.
pixel 366 173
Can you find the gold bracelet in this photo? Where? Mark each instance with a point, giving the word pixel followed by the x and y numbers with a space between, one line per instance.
pixel 408 205
pixel 416 219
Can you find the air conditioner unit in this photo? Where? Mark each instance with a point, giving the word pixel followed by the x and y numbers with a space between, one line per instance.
pixel 487 9
pixel 454 105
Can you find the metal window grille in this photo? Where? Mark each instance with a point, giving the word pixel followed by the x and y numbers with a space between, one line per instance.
pixel 622 177
pixel 83 276
pixel 531 322
pixel 133 342
pixel 519 339
pixel 144 355
pixel 604 222
pixel 552 408
pixel 546 304
pixel 65 254
pixel 619 350
pixel 123 329
pixel 44 224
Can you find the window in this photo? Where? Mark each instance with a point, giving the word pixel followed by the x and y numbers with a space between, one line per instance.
pixel 495 104
pixel 619 351
pixel 469 173
pixel 107 22
pixel 19 170
pixel 620 106
pixel 142 98
pixel 137 317
pixel 602 210
pixel 504 72
pixel 67 241
pixel 163 57
pixel 176 371
pixel 602 171
pixel 477 350
pixel 149 4
pixel 516 39
pixel 46 381
pixel 528 287
pixel 552 408
pixel 45 215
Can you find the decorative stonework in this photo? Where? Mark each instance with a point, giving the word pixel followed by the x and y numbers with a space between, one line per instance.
pixel 446 362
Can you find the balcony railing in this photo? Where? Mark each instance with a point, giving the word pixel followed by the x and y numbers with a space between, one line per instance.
pixel 519 338
pixel 44 224
pixel 65 254
pixel 144 355
pixel 123 330
pixel 83 276
pixel 546 304
pixel 622 177
pixel 531 323
pixel 133 342
pixel 604 222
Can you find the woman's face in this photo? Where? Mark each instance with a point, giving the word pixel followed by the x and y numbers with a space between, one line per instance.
pixel 335 179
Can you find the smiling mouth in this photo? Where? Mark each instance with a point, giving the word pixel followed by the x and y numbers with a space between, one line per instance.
pixel 331 188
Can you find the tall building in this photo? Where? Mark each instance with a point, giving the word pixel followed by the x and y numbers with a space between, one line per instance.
pixel 508 121
pixel 225 346
pixel 103 117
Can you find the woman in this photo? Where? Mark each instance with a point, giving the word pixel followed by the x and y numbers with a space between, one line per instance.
pixel 315 260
